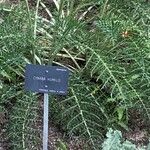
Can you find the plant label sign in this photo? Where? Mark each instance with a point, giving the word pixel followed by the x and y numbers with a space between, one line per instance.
pixel 46 79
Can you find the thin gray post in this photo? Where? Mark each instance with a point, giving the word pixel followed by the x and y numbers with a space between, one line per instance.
pixel 45 123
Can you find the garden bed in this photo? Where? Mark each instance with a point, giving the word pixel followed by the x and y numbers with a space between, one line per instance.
pixel 106 89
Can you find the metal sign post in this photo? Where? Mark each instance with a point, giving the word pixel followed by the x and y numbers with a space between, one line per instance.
pixel 45 123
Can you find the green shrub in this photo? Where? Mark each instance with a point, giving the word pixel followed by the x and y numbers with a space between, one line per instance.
pixel 105 44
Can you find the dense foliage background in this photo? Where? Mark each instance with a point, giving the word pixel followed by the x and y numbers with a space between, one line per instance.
pixel 105 45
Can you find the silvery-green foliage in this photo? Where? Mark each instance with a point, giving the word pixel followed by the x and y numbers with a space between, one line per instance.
pixel 115 141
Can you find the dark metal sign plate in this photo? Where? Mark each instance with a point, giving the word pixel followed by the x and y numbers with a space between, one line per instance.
pixel 46 79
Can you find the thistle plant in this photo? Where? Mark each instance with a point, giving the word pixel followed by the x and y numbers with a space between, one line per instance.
pixel 115 141
pixel 104 44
